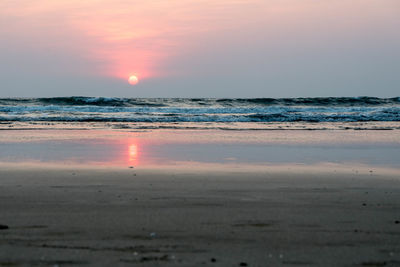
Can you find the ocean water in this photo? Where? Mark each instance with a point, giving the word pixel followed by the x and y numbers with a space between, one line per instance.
pixel 257 113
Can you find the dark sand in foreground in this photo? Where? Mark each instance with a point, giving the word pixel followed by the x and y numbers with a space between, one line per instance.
pixel 118 217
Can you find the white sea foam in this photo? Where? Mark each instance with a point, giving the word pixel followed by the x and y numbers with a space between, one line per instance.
pixel 86 109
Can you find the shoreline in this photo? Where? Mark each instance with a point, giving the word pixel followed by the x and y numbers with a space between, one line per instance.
pixel 204 126
pixel 210 148
pixel 193 198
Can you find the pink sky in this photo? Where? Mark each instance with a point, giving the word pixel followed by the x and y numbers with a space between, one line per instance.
pixel 173 38
pixel 126 36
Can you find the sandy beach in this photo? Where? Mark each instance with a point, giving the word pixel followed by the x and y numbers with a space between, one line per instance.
pixel 195 213
pixel 69 217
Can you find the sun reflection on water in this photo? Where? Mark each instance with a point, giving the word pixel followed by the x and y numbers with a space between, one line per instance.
pixel 133 154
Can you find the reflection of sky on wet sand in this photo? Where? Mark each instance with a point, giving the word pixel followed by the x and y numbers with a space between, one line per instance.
pixel 174 148
pixel 133 154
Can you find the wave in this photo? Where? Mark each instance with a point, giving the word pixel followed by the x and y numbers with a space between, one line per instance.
pixel 181 110
pixel 165 102
pixel 202 117
pixel 81 101
pixel 258 110
pixel 315 101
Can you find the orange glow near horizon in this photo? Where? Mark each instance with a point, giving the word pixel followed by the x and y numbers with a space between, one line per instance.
pixel 118 37
pixel 113 38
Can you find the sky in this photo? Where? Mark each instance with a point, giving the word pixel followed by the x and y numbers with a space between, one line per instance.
pixel 199 48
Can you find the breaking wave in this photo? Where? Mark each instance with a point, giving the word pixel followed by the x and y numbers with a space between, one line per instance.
pixel 101 109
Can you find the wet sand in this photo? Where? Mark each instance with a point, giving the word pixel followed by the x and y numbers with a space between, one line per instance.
pixel 66 216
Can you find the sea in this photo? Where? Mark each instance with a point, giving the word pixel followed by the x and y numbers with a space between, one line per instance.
pixel 354 113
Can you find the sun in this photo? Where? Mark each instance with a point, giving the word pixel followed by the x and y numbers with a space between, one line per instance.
pixel 133 79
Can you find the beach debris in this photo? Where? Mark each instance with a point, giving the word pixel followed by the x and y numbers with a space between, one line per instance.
pixel 153 235
pixel 4 227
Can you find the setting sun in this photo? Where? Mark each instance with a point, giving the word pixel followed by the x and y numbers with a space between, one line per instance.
pixel 133 80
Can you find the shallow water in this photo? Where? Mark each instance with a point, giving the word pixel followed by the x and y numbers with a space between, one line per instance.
pixel 185 148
